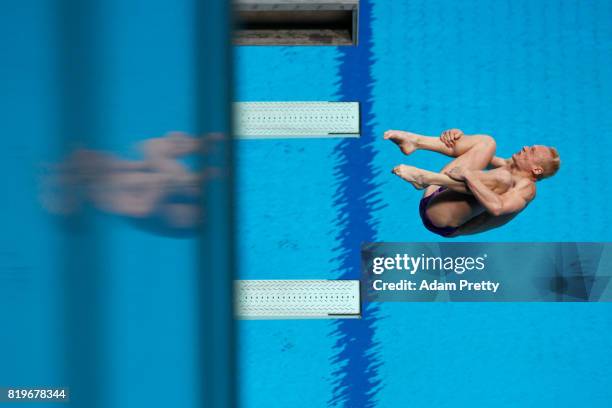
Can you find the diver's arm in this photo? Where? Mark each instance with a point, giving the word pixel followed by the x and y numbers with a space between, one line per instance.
pixel 498 162
pixel 511 202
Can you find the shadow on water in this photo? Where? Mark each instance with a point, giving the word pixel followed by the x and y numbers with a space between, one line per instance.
pixel 356 380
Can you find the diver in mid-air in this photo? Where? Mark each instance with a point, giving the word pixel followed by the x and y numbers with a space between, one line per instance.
pixel 465 198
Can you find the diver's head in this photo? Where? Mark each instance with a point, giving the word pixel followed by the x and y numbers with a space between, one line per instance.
pixel 538 161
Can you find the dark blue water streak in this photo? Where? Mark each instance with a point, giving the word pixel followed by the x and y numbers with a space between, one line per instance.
pixel 356 380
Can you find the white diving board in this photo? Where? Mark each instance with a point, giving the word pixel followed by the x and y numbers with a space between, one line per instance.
pixel 297 299
pixel 273 120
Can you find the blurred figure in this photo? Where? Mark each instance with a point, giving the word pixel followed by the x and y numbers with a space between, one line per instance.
pixel 160 193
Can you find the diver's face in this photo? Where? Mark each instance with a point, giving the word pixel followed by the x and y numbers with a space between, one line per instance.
pixel 530 158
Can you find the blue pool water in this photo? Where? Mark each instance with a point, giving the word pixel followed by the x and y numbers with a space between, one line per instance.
pixel 526 72
pixel 147 321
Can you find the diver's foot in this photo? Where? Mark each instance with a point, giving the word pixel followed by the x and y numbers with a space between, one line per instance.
pixel 170 146
pixel 406 141
pixel 413 175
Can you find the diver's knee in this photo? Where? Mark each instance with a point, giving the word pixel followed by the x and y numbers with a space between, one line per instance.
pixel 487 143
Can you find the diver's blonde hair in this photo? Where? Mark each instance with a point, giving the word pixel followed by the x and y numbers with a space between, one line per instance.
pixel 551 166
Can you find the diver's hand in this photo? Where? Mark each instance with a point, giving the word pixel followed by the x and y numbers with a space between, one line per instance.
pixel 458 173
pixel 449 137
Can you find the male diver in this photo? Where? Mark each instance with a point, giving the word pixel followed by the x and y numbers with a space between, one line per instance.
pixel 464 198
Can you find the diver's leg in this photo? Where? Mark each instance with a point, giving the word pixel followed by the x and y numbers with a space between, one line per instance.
pixel 483 222
pixel 475 155
pixel 163 153
pixel 421 179
pixel 409 142
pixel 178 144
pixel 450 212
pixel 453 212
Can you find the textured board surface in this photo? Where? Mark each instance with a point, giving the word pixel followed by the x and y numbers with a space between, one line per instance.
pixel 296 4
pixel 261 120
pixel 319 36
pixel 286 22
pixel 296 299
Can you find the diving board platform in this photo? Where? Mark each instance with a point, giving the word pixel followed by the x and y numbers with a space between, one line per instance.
pixel 296 22
pixel 297 299
pixel 270 120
